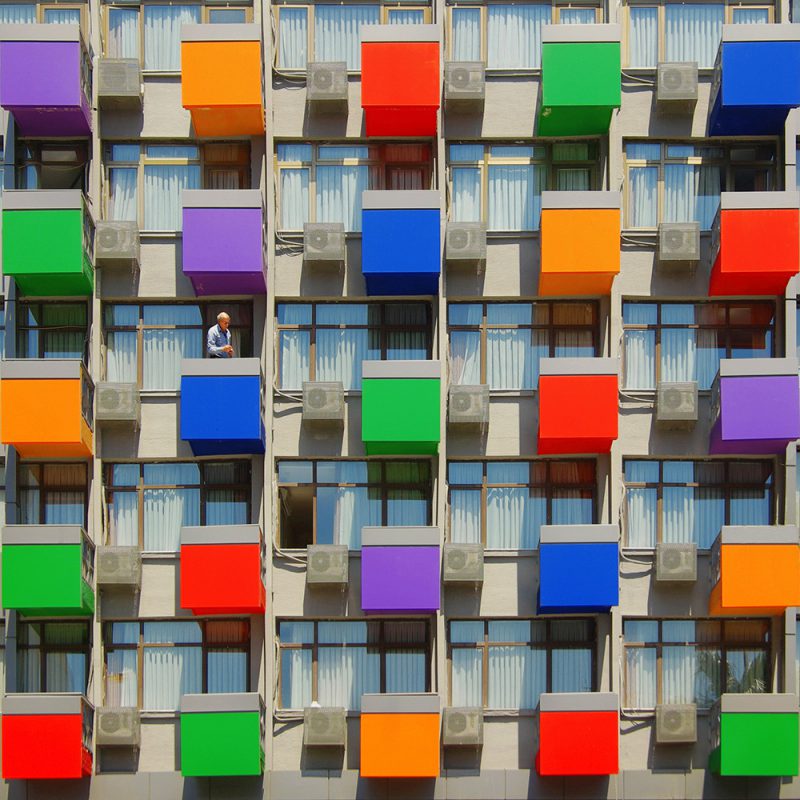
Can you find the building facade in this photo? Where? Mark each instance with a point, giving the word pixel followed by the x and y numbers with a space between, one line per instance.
pixel 497 497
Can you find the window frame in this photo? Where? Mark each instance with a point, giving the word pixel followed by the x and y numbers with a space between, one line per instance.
pixel 44 488
pixel 30 155
pixel 23 326
pixel 85 648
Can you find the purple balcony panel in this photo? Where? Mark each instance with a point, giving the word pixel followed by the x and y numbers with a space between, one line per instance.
pixel 40 84
pixel 223 241
pixel 759 414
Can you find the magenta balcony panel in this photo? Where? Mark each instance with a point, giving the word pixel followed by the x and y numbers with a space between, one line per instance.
pixel 755 406
pixel 44 79
pixel 223 235
pixel 400 570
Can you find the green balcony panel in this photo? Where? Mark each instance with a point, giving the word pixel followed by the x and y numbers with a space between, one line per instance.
pixel 45 243
pixel 221 735
pixel 401 407
pixel 581 79
pixel 758 743
pixel 47 570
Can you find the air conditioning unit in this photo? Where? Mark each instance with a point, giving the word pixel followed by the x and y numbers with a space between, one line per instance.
pixel 118 566
pixel 119 84
pixel 117 402
pixel 462 727
pixel 465 243
pixel 464 86
pixel 116 244
pixel 326 86
pixel 676 724
pixel 676 405
pixel 676 562
pixel 678 246
pixel 676 87
pixel 328 565
pixel 324 727
pixel 468 405
pixel 323 402
pixel 462 563
pixel 324 244
pixel 118 727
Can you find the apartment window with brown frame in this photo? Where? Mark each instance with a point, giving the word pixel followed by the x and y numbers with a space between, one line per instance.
pixel 53 656
pixel 52 165
pixel 694 661
pixel 52 329
pixel 150 665
pixel 507 663
pixel 334 662
pixel 52 494
pixel 501 343
pixel 328 502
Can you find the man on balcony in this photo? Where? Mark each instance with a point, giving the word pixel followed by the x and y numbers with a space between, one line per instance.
pixel 218 340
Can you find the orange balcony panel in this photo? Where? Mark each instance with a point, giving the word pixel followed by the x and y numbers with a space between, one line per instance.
pixel 759 243
pixel 43 417
pixel 221 79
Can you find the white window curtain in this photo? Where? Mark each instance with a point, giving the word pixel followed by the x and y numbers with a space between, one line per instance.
pixel 643 197
pixel 227 671
pixel 170 672
pixel 691 194
pixel 512 354
pixel 121 357
pixel 162 35
pixel 640 347
pixel 514 515
pixel 121 679
pixel 515 35
pixel 293 38
pixel 295 359
pixel 688 354
pixel 296 664
pixel 345 673
pixel 163 189
pixel 465 357
pixel 692 515
pixel 577 16
pixel 123 32
pixel 337 32
pixel 340 351
pixel 342 511
pixel 693 32
pixel 571 666
pixel 17 13
pixel 294 198
pixel 517 674
pixel 122 194
pixel 467 666
pixel 643 37
pixel 572 180
pixel 465 503
pixel 166 511
pixel 465 203
pixel 164 348
pixel 750 16
pixel 339 190
pixel 641 669
pixel 515 192
pixel 641 504
pixel 466 44
pixel 406 16
pixel 124 518
pixel 62 16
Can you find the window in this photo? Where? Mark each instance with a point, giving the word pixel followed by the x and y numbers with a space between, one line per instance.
pixel 501 343
pixel 53 656
pixel 2 305
pixel 685 341
pixel 674 31
pixel 689 501
pixel 323 183
pixel 328 341
pixel 509 36
pixel 150 665
pixel 148 504
pixel 49 13
pixel 328 502
pixel 151 32
pixel 508 663
pixel 52 165
pixel 682 182
pixel 333 663
pixel 53 494
pixel 144 182
pixel 694 661
pixel 502 184
pixel 145 344
pixel 330 32
pixel 503 504
pixel 52 330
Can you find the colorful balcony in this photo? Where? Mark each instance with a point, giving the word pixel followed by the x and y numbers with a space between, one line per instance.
pixel 221 81
pixel 400 79
pixel 48 570
pixel 222 735
pixel 44 79
pixel 578 402
pixel 401 242
pixel 756 243
pixel 58 264
pixel 222 406
pixel 401 407
pixel 400 735
pixel 47 736
pixel 47 408
pixel 400 570
pixel 742 102
pixel 578 569
pixel 581 79
pixel 755 406
pixel 580 244
pixel 210 555
pixel 757 735
pixel 755 570
pixel 223 241
pixel 591 718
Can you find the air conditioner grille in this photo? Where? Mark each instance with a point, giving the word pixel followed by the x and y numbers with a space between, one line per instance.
pixel 327 565
pixel 465 242
pixel 323 402
pixel 469 405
